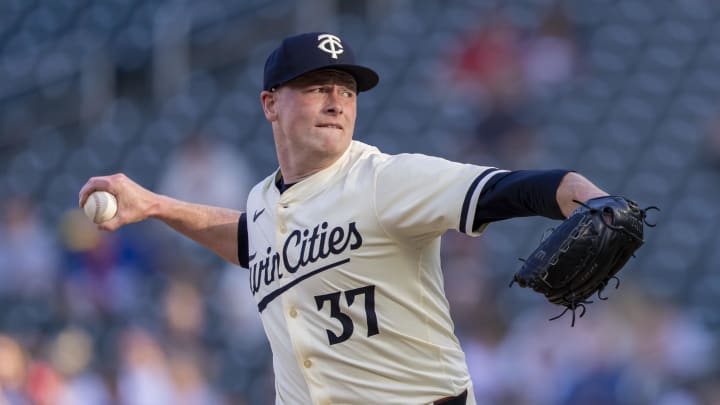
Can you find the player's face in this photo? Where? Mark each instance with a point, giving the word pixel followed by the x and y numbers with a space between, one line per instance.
pixel 314 115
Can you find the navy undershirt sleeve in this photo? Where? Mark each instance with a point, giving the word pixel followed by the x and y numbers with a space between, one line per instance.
pixel 520 193
pixel 242 237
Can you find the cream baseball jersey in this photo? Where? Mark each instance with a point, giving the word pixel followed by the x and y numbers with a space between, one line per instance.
pixel 345 269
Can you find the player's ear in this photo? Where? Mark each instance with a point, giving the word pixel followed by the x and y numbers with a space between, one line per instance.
pixel 269 104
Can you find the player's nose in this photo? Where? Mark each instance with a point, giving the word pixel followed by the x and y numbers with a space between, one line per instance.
pixel 333 102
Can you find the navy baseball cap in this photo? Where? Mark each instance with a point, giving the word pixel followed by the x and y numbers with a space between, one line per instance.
pixel 305 53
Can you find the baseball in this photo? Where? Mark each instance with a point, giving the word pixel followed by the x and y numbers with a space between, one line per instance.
pixel 100 206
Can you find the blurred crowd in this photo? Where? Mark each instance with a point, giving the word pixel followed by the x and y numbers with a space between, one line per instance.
pixel 632 349
pixel 143 316
pixel 501 69
pixel 138 316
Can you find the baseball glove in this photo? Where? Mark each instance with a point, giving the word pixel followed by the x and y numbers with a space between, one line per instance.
pixel 580 257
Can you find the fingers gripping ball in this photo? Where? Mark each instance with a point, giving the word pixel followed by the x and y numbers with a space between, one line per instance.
pixel 100 206
pixel 582 255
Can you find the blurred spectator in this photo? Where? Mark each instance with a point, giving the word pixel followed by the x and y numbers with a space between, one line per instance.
pixel 490 73
pixel 498 61
pixel 466 279
pixel 240 318
pixel 672 349
pixel 29 257
pixel 500 69
pixel 502 138
pixel 144 377
pixel 205 171
pixel 105 273
pixel 44 385
pixel 482 344
pixel 72 353
pixel 247 356
pixel 153 374
pixel 13 372
pixel 551 52
pixel 190 382
pixel 630 350
pixel 184 312
pixel 488 65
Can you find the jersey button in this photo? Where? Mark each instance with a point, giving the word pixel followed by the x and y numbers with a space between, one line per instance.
pixel 283 228
pixel 293 313
pixel 307 363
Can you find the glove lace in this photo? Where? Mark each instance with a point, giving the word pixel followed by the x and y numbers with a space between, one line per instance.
pixel 604 284
pixel 573 306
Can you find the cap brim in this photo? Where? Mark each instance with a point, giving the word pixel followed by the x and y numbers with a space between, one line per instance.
pixel 366 78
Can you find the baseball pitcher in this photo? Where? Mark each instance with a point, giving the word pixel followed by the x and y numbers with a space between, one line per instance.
pixel 342 241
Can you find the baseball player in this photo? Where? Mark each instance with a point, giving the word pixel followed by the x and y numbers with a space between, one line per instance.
pixel 342 242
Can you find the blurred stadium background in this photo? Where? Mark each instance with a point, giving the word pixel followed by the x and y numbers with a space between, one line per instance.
pixel 624 91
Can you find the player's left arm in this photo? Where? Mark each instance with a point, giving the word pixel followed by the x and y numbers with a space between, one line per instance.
pixel 522 193
pixel 574 187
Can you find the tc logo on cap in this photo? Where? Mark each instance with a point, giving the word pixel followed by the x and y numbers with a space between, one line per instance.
pixel 298 55
pixel 330 44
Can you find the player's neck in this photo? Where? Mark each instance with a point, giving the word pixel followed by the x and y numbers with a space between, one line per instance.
pixel 292 174
pixel 295 167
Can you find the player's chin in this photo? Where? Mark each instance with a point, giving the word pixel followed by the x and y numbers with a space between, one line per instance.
pixel 333 139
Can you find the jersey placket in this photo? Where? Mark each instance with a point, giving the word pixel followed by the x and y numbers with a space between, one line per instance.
pixel 297 327
pixel 299 339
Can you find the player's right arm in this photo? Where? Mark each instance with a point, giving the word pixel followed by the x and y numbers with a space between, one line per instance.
pixel 213 227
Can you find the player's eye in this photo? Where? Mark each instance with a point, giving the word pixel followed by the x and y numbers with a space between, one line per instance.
pixel 348 93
